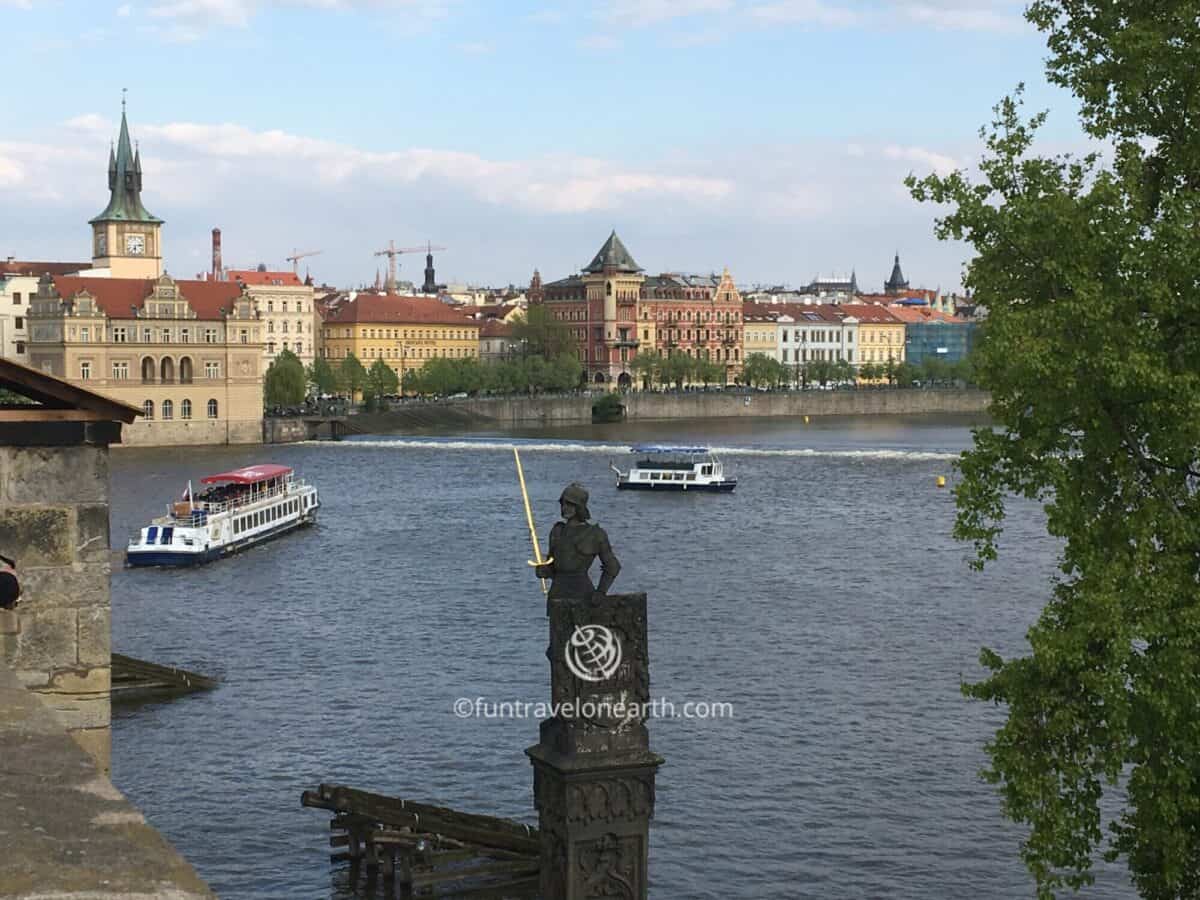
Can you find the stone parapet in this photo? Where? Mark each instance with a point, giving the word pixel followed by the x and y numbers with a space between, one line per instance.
pixel 54 524
pixel 66 832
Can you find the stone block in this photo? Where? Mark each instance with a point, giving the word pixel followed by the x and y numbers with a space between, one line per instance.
pixel 79 585
pixel 56 475
pixel 37 535
pixel 97 743
pixel 10 621
pixel 75 711
pixel 91 532
pixel 47 642
pixel 81 681
pixel 95 636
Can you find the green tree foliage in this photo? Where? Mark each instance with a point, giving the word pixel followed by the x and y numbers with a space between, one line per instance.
pixel 352 377
pixel 321 376
pixel 709 372
pixel 758 371
pixel 441 377
pixel 540 334
pixel 676 369
pixel 285 383
pixel 381 381
pixel 1087 267
pixel 644 368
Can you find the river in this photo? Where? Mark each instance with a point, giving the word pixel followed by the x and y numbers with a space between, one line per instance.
pixel 825 600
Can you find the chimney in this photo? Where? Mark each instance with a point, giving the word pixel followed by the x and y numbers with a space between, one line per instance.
pixel 216 262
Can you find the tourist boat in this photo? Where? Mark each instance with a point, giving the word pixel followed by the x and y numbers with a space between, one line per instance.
pixel 237 510
pixel 660 468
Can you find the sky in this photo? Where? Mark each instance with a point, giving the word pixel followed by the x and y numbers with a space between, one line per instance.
pixel 771 137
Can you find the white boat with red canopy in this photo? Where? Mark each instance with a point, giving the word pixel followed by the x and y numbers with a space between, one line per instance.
pixel 236 510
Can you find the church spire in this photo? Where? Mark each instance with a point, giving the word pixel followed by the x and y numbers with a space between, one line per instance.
pixel 125 182
pixel 896 283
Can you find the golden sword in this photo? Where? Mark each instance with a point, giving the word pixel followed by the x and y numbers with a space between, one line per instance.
pixel 537 550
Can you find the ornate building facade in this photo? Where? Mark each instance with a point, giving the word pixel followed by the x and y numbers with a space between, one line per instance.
pixel 615 312
pixel 287 309
pixel 187 353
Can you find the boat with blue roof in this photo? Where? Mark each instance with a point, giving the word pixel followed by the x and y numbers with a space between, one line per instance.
pixel 673 468
pixel 236 510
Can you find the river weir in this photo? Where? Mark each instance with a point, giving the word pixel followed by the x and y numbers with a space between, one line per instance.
pixel 823 602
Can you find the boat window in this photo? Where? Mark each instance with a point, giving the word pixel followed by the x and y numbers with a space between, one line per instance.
pixel 691 476
pixel 655 476
pixel 707 470
pixel 679 476
pixel 151 534
pixel 166 535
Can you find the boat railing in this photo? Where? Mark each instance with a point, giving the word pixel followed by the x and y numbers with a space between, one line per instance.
pixel 197 511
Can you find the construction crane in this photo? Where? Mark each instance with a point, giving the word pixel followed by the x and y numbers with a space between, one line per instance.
pixel 392 251
pixel 296 256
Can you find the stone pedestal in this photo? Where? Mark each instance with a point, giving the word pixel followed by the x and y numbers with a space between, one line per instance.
pixel 593 771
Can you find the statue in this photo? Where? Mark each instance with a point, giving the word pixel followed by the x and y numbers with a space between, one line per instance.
pixel 574 544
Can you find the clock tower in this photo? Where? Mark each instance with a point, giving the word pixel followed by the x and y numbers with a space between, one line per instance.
pixel 125 237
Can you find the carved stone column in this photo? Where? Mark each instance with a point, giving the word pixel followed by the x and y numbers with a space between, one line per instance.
pixel 593 772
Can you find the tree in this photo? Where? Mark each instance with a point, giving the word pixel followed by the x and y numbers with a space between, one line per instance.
pixel 645 368
pixel 351 375
pixel 869 372
pixel 540 334
pixel 321 376
pixel 758 369
pixel 676 369
pixel 285 383
pixel 709 372
pixel 381 381
pixel 1087 267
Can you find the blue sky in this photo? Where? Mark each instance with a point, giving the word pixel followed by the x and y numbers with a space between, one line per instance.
pixel 770 136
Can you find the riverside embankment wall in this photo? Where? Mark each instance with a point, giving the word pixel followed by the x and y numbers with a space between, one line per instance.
pixel 721 405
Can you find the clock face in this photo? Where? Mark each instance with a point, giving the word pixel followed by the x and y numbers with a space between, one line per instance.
pixel 135 244
pixel 101 244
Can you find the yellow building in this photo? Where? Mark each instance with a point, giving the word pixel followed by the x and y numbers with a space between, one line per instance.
pixel 880 334
pixel 760 329
pixel 405 332
pixel 187 353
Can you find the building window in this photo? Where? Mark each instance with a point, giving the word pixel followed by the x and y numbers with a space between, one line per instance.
pixel 166 335
pixel 147 370
pixel 20 346
pixel 148 409
pixel 245 336
pixel 120 371
pixel 85 370
pixel 16 298
pixel 84 334
pixel 119 334
pixel 184 335
pixel 168 410
pixel 284 329
pixel 185 410
pixel 20 322
pixel 146 335
pixel 212 409
pixel 271 347
pixel 210 335
pixel 212 370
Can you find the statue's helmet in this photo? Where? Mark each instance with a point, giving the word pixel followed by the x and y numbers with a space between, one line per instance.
pixel 576 494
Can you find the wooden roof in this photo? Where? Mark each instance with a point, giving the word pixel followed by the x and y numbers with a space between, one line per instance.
pixel 56 400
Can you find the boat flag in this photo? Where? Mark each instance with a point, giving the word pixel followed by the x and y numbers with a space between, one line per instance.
pixel 187 494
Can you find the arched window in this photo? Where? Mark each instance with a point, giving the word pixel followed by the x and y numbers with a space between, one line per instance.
pixel 168 410
pixel 148 409
pixel 185 370
pixel 212 409
pixel 167 368
pixel 608 288
pixel 185 409
pixel 147 370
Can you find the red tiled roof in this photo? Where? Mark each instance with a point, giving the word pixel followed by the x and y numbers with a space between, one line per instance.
pixel 255 277
pixel 394 308
pixel 116 296
pixel 20 267
pixel 915 314
pixel 761 312
pixel 869 313
pixel 494 328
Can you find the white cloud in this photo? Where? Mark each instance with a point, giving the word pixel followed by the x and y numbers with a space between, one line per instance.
pixel 125 10
pixel 476 48
pixel 19 4
pixel 806 12
pixel 938 162
pixel 192 19
pixel 960 15
pixel 773 212
pixel 600 42
pixel 640 13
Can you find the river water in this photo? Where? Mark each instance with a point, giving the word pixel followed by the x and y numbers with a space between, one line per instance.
pixel 824 600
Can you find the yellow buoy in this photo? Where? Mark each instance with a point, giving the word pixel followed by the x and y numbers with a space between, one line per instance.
pixel 941 481
pixel 806 420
